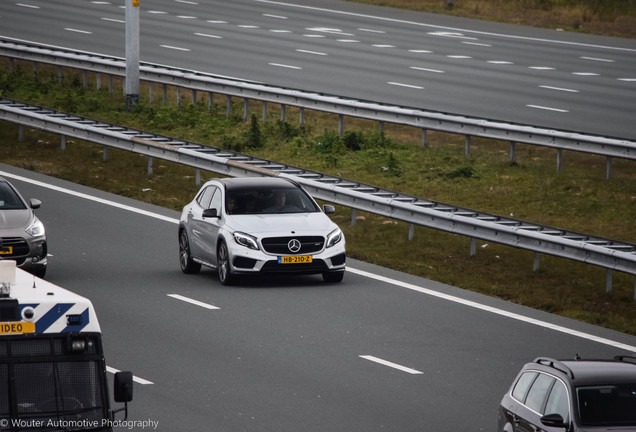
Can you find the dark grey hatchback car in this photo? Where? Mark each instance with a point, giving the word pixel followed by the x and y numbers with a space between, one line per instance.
pixel 571 395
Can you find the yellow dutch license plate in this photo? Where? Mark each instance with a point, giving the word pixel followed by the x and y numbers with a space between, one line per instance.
pixel 17 327
pixel 295 259
pixel 7 250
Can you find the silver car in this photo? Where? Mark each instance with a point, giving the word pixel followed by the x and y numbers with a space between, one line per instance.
pixel 22 235
pixel 243 226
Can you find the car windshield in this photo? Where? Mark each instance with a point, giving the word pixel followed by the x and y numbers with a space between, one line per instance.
pixel 269 200
pixel 9 200
pixel 607 405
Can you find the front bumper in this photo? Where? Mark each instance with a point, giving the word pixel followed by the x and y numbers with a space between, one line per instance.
pixel 249 261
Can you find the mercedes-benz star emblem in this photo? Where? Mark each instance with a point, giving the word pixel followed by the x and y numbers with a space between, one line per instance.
pixel 294 245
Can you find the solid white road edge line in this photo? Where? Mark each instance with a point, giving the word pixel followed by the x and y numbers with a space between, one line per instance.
pixel 494 310
pixel 391 364
pixel 384 279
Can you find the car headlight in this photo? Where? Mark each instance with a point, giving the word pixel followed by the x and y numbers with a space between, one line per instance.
pixel 246 240
pixel 36 229
pixel 334 237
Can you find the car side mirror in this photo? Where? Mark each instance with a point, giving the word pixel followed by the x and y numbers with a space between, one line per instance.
pixel 210 213
pixel 328 209
pixel 35 203
pixel 553 420
pixel 123 387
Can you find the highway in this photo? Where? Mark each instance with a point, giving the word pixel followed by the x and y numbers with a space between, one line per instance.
pixel 541 77
pixel 382 351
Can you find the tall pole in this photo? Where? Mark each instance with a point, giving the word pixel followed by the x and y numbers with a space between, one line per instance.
pixel 132 53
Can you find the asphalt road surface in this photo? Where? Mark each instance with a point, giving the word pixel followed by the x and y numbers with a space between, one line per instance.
pixel 381 351
pixel 540 77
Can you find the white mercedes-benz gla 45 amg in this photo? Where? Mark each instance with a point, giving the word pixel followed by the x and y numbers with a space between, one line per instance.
pixel 242 226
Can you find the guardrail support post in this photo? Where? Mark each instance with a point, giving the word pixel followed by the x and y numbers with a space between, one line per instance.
pixel 473 246
pixel 165 93
pixel 559 159
pixel 264 111
pixel 537 258
pixel 608 168
pixel 63 142
pixel 228 106
pixel 178 96
pixel 85 79
pixel 424 138
pixel 411 231
pixel 197 177
pixel 11 65
pixel 20 133
pixel 194 97
pixel 105 153
pixel 513 152
pixel 151 93
pixel 634 289
pixel 381 126
pixel 467 152
pixel 283 113
pixel 210 100
pixel 60 76
pixel 302 116
pixel 340 124
pixel 110 84
pixel 246 109
pixel 150 166
pixel 353 217
pixel 35 69
pixel 98 80
pixel 608 280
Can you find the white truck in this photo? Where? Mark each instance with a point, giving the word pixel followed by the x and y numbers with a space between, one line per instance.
pixel 52 367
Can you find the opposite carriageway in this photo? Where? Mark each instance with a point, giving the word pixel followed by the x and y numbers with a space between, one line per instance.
pixel 607 253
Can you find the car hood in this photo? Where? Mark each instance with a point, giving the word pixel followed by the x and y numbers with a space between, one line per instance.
pixel 282 224
pixel 14 219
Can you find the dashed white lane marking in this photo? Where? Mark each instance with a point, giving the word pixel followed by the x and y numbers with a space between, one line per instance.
pixel 405 85
pixel 175 48
pixel 598 59
pixel 391 364
pixel 311 52
pixel 208 35
pixel 426 69
pixel 27 5
pixel 585 73
pixel 114 20
pixel 284 66
pixel 192 301
pixel 274 16
pixel 135 378
pixel 77 30
pixel 547 108
pixel 559 89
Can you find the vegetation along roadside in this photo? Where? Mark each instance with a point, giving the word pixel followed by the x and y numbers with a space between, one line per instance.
pixel 578 198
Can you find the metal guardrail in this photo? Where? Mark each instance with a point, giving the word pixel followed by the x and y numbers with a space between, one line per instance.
pixel 426 120
pixel 607 253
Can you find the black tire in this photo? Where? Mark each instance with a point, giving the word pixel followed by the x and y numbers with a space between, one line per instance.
pixel 226 277
pixel 186 263
pixel 333 277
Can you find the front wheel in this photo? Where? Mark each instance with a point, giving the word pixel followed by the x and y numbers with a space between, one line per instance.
pixel 226 277
pixel 333 277
pixel 186 262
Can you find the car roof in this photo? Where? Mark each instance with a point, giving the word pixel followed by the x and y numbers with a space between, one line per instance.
pixel 255 182
pixel 589 372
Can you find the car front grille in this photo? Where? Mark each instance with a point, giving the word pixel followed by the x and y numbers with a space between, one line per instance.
pixel 18 244
pixel 279 245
